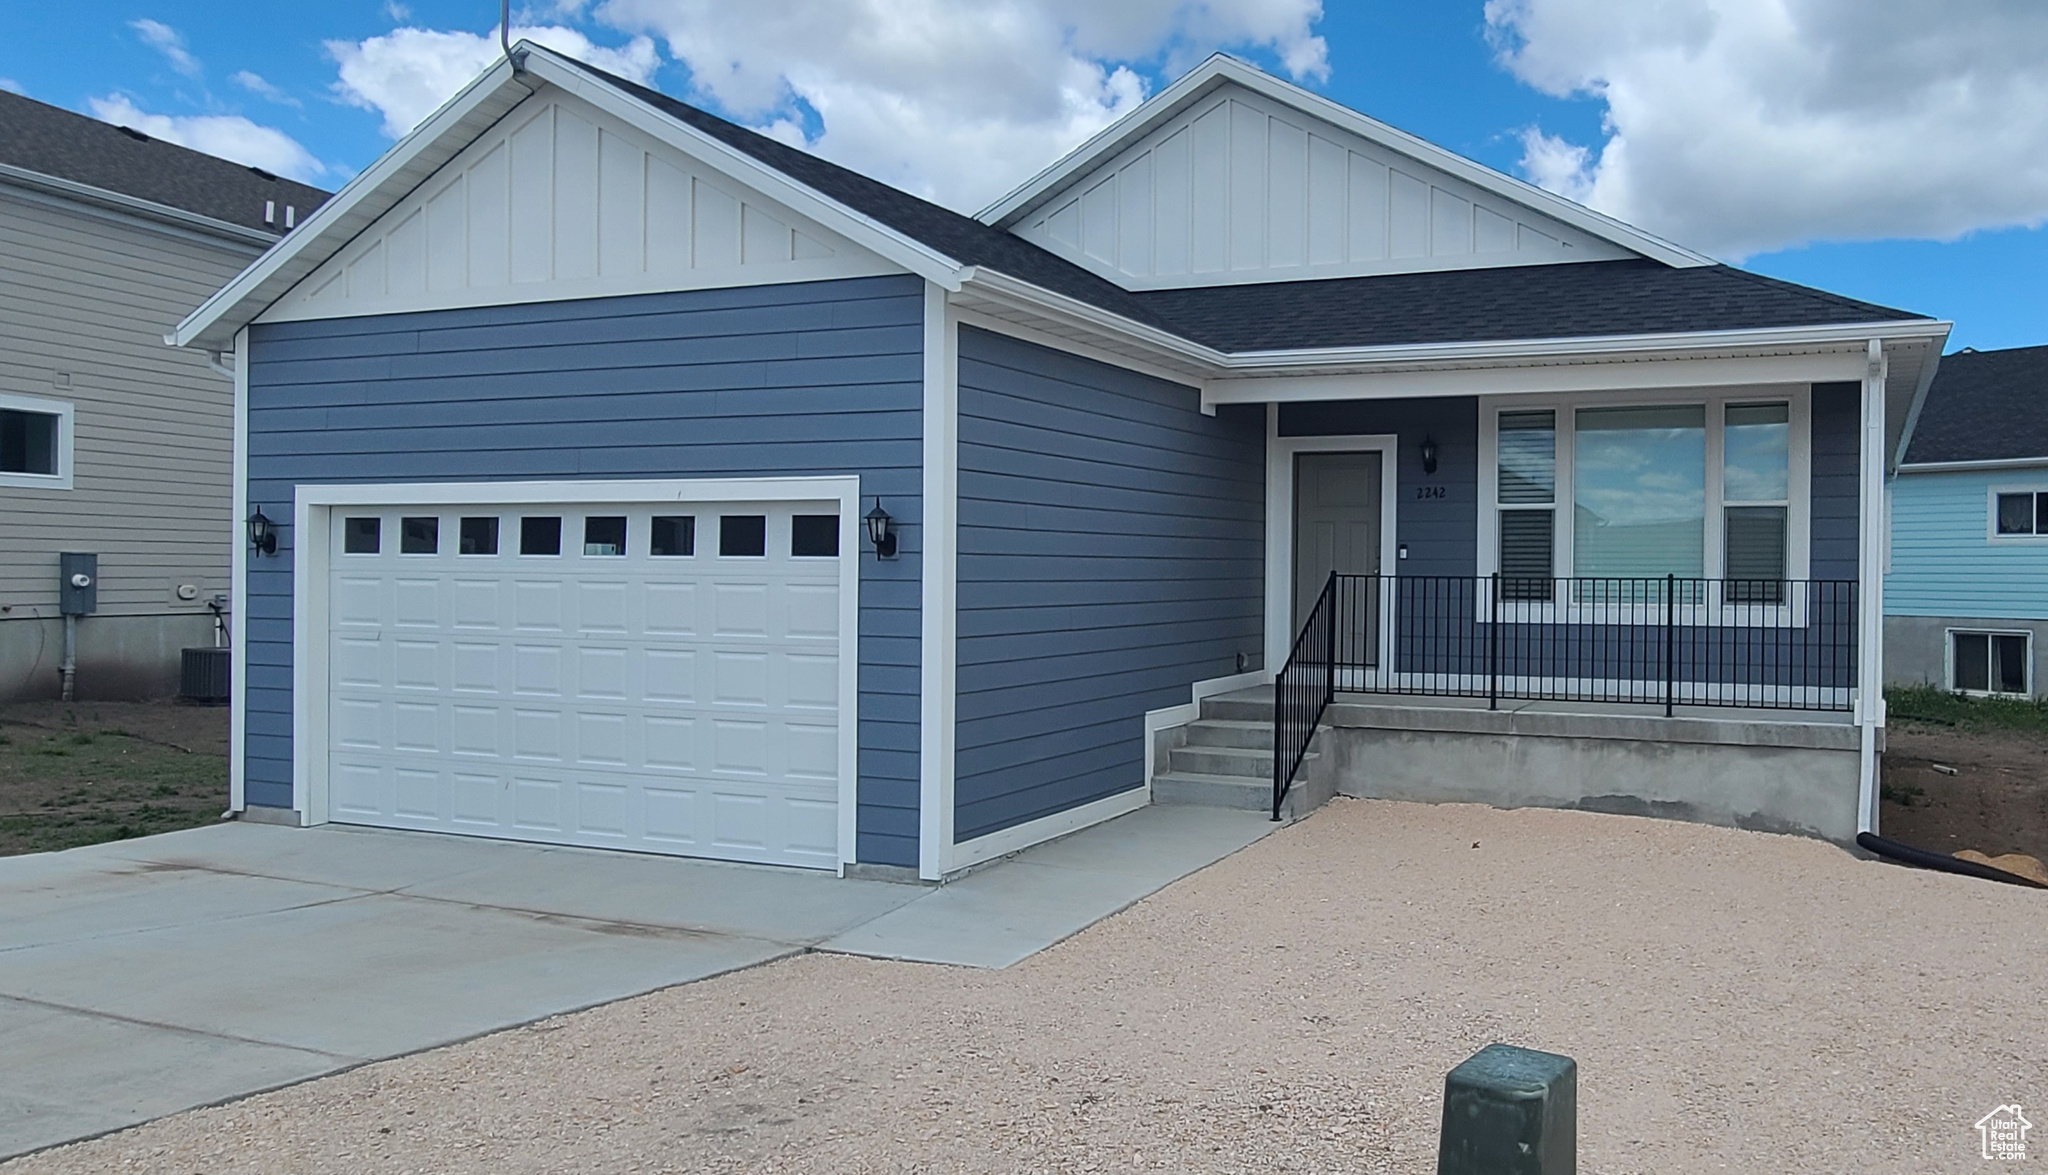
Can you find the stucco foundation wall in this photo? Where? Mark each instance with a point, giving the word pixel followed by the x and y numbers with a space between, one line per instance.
pixel 1916 647
pixel 1772 777
pixel 120 658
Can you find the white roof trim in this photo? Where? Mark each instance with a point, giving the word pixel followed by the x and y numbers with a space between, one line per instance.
pixel 1001 287
pixel 1988 464
pixel 1220 68
pixel 59 186
pixel 365 198
pixel 358 205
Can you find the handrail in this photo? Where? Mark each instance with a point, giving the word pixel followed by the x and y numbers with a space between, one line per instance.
pixel 1303 689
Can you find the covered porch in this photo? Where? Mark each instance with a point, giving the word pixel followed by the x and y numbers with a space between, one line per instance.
pixel 1646 579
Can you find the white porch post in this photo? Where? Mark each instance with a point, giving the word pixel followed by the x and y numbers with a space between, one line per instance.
pixel 1870 584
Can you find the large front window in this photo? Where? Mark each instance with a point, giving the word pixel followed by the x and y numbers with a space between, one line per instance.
pixel 1628 494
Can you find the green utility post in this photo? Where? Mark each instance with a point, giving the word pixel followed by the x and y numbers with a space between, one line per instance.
pixel 1510 1111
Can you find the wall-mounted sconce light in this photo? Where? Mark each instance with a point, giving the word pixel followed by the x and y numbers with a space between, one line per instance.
pixel 881 531
pixel 1428 454
pixel 262 534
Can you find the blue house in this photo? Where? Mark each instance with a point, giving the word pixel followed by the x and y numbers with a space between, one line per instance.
pixel 617 476
pixel 1966 589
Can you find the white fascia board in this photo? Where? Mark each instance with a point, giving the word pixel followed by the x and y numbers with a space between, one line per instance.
pixel 743 168
pixel 1633 375
pixel 147 209
pixel 359 203
pixel 1990 464
pixel 1221 68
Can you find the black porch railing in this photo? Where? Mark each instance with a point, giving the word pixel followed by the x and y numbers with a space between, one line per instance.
pixel 1666 641
pixel 1303 689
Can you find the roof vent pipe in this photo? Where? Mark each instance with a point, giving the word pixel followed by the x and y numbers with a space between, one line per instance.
pixel 505 29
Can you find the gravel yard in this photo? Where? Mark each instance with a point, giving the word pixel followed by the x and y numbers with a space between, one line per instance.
pixel 1735 1000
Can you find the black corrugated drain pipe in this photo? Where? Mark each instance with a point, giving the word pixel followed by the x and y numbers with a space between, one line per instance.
pixel 1925 859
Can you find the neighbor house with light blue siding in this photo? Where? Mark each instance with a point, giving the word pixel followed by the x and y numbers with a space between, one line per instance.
pixel 1966 588
pixel 612 475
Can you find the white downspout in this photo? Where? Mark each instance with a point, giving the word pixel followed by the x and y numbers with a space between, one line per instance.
pixel 1870 585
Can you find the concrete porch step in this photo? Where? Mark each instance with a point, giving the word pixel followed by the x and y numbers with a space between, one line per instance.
pixel 1242 762
pixel 1213 791
pixel 1225 732
pixel 1239 707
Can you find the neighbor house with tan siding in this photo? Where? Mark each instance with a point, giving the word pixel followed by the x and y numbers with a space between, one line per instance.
pixel 110 442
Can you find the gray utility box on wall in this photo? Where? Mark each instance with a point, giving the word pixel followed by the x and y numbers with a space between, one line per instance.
pixel 78 585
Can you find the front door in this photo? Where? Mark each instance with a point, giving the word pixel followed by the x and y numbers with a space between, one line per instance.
pixel 1337 528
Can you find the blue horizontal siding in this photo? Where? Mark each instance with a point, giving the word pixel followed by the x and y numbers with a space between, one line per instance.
pixel 1943 560
pixel 1111 552
pixel 818 378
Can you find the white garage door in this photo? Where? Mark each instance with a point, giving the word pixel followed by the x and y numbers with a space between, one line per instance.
pixel 653 677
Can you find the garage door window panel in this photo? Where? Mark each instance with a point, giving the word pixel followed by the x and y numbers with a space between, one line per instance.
pixel 419 536
pixel 604 535
pixel 672 536
pixel 814 536
pixel 479 536
pixel 743 536
pixel 540 535
pixel 361 536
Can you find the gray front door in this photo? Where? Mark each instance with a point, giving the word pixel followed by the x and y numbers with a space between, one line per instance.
pixel 1337 528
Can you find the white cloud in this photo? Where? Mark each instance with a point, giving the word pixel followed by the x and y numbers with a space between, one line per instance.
pixel 1743 126
pixel 11 86
pixel 955 101
pixel 256 84
pixel 229 136
pixel 406 74
pixel 167 41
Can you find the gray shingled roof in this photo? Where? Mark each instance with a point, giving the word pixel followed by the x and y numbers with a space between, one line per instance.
pixel 1519 302
pixel 52 141
pixel 1984 406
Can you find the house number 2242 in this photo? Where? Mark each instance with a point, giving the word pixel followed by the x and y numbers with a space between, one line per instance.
pixel 1429 491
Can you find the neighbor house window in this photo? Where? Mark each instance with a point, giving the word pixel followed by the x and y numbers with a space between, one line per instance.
pixel 35 443
pixel 1989 662
pixel 1701 490
pixel 2020 512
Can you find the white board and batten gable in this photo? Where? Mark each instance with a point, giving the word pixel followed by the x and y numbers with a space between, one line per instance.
pixel 1239 188
pixel 560 200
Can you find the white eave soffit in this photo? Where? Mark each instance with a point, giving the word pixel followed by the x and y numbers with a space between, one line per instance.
pixel 1221 69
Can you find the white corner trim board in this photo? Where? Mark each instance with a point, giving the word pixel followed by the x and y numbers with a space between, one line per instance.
pixel 937 671
pixel 313 507
pixel 238 588
pixel 1870 708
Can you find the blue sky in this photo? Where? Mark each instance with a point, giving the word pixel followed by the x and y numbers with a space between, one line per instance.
pixel 1438 69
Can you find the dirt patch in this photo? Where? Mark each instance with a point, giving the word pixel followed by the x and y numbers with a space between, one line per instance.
pixel 88 772
pixel 1996 800
pixel 1736 1001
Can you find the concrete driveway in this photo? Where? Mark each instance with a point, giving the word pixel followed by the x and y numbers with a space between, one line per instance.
pixel 144 977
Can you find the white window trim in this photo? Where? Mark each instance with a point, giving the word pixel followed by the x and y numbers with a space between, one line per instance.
pixel 313 512
pixel 1799 511
pixel 1948 659
pixel 1991 516
pixel 65 413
